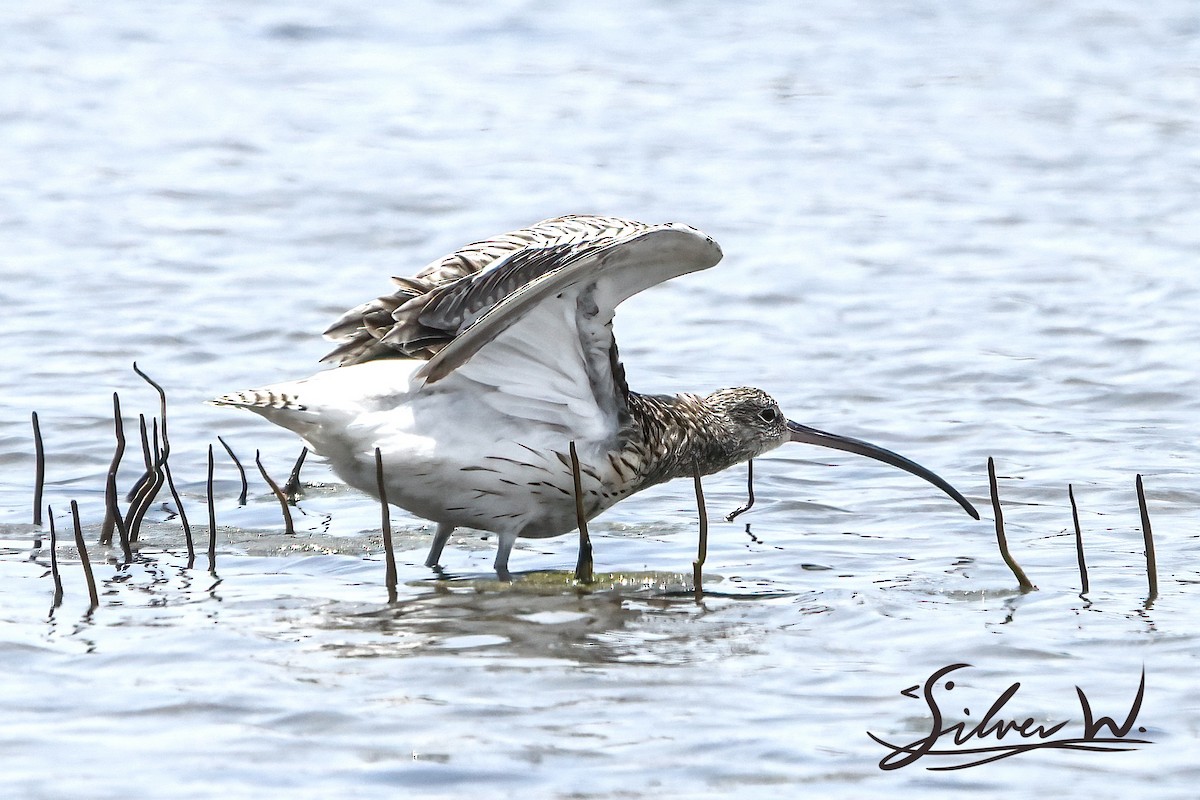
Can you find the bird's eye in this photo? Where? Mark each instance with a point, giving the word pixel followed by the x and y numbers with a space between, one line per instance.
pixel 768 415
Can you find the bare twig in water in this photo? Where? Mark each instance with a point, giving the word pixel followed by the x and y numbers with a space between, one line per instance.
pixel 287 514
pixel 1151 561
pixel 141 503
pixel 187 529
pixel 112 515
pixel 212 517
pixel 156 483
pixel 139 486
pixel 165 462
pixel 292 488
pixel 39 471
pixel 156 450
pixel 148 459
pixel 111 512
pixel 732 515
pixel 389 557
pixel 702 547
pixel 166 450
pixel 58 590
pixel 83 557
pixel 241 471
pixel 162 402
pixel 1022 580
pixel 183 515
pixel 584 566
pixel 1083 578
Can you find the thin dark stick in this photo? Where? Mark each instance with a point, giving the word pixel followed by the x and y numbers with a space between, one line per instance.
pixel 241 471
pixel 148 457
pixel 162 402
pixel 584 566
pixel 287 514
pixel 212 518
pixel 389 557
pixel 83 557
pixel 187 529
pixel 137 487
pixel 292 487
pixel 1078 541
pixel 702 547
pixel 1022 580
pixel 111 512
pixel 164 460
pixel 160 461
pixel 1151 561
pixel 112 516
pixel 749 490
pixel 39 471
pixel 58 590
pixel 145 497
pixel 140 484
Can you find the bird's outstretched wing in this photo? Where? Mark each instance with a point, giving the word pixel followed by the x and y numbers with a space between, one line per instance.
pixel 544 351
pixel 582 282
pixel 427 310
pixel 531 327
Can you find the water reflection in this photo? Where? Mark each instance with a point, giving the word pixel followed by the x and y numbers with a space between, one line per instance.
pixel 650 617
pixel 646 618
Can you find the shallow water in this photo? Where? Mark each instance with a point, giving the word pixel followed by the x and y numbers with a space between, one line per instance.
pixel 957 232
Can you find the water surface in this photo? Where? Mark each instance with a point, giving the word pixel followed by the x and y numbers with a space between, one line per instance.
pixel 958 232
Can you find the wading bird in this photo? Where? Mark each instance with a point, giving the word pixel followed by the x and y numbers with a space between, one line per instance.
pixel 475 375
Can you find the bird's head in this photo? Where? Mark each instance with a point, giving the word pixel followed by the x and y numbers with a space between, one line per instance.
pixel 751 417
pixel 758 425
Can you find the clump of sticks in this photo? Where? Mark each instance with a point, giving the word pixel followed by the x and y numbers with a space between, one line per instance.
pixel 1023 581
pixel 156 452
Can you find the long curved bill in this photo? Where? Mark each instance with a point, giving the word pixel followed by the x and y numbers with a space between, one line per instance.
pixel 806 435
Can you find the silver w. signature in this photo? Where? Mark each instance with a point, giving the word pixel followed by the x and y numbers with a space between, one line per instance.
pixel 970 745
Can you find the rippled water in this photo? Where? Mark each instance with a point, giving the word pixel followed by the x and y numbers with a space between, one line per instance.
pixel 954 229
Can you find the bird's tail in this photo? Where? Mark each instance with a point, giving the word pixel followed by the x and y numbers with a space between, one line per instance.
pixel 280 404
pixel 261 400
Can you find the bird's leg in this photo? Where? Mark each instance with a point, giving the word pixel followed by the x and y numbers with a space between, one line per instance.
pixel 507 540
pixel 440 538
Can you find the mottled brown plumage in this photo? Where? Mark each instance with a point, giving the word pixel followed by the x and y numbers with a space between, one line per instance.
pixel 428 310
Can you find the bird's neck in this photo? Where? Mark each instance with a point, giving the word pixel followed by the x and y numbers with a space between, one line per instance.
pixel 677 434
